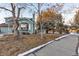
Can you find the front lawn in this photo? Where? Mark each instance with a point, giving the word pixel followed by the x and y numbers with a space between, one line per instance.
pixel 9 46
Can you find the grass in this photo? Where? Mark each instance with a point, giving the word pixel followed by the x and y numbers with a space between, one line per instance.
pixel 9 46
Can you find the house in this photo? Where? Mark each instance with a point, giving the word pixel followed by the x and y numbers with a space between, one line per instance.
pixel 4 29
pixel 26 25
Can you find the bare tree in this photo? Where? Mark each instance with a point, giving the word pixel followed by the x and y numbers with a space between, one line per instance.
pixel 37 9
pixel 15 11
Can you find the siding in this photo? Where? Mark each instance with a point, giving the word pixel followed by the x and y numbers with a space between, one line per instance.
pixel 30 22
pixel 30 25
pixel 5 30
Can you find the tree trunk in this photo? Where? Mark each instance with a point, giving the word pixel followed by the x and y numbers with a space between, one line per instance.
pixel 53 31
pixel 46 31
pixel 15 19
pixel 15 27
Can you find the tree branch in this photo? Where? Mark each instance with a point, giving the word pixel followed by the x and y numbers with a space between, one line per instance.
pixel 5 9
pixel 13 10
pixel 31 4
pixel 18 14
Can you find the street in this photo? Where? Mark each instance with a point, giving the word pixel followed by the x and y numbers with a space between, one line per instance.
pixel 63 47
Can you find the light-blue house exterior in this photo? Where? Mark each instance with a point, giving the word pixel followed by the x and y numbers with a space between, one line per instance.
pixel 26 25
pixel 4 29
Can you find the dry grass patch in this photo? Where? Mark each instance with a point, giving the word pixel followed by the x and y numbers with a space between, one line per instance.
pixel 9 46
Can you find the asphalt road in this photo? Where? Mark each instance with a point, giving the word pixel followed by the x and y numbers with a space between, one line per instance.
pixel 64 47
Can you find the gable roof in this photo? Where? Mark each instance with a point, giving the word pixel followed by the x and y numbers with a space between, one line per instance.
pixel 9 19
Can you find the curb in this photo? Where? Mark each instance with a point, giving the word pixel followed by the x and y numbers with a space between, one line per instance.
pixel 41 46
pixel 34 49
pixel 62 37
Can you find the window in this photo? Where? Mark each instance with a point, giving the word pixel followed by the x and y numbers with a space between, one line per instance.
pixel 24 26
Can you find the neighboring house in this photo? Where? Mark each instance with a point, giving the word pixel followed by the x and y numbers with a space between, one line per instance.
pixel 4 29
pixel 26 25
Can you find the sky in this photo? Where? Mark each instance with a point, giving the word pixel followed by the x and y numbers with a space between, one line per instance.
pixel 67 15
pixel 71 11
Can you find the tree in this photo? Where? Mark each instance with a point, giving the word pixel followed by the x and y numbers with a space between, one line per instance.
pixel 47 16
pixel 58 7
pixel 59 24
pixel 50 19
pixel 76 20
pixel 50 25
pixel 15 11
pixel 37 8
